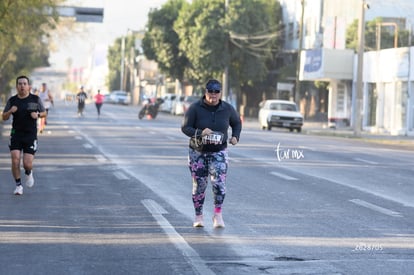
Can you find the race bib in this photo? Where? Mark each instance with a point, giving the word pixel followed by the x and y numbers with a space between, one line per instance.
pixel 213 138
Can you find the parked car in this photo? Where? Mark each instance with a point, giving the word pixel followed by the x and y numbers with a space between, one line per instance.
pixel 188 100
pixel 281 114
pixel 181 104
pixel 119 97
pixel 167 105
pixel 177 105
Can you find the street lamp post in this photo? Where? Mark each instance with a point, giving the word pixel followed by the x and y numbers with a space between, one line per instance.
pixel 296 92
pixel 225 89
pixel 121 80
pixel 357 116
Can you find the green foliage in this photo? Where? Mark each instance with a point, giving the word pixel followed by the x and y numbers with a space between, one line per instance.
pixel 24 28
pixel 200 27
pixel 372 38
pixel 114 65
pixel 255 40
pixel 114 62
pixel 321 85
pixel 189 40
pixel 205 31
pixel 161 42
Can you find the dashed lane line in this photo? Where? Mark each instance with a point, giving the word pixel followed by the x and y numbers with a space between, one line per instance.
pixel 192 257
pixel 376 208
pixel 283 176
pixel 366 161
pixel 120 176
pixel 87 145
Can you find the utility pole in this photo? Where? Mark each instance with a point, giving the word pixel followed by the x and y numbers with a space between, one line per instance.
pixel 226 49
pixel 357 114
pixel 296 92
pixel 121 80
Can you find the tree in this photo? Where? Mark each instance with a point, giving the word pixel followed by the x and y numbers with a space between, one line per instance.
pixel 161 42
pixel 24 27
pixel 386 36
pixel 251 27
pixel 200 27
pixel 114 62
pixel 255 34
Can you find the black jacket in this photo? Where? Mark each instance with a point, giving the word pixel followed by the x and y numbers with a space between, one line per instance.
pixel 219 118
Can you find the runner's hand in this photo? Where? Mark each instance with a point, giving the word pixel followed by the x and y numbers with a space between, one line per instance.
pixel 233 140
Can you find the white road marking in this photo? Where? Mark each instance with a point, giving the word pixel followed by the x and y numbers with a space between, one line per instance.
pixel 121 176
pixel 366 161
pixel 283 176
pixel 235 160
pixel 112 116
pixel 376 208
pixel 192 257
pixel 87 146
pixel 78 137
pixel 100 158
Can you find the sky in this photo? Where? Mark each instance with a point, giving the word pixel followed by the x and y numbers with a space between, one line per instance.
pixel 119 16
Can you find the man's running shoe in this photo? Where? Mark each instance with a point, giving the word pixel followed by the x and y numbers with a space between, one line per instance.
pixel 218 220
pixel 18 190
pixel 198 221
pixel 29 180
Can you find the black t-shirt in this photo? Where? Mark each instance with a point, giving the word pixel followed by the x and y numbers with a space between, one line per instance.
pixel 22 120
pixel 82 96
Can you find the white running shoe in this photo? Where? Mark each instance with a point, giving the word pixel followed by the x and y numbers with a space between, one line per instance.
pixel 198 221
pixel 18 190
pixel 29 180
pixel 218 221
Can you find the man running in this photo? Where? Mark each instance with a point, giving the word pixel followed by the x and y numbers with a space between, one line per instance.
pixel 25 108
pixel 81 97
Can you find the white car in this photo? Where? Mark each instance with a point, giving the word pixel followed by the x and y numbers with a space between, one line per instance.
pixel 177 105
pixel 181 103
pixel 167 104
pixel 281 114
pixel 118 97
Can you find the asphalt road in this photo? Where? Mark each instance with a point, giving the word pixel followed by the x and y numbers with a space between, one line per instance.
pixel 113 196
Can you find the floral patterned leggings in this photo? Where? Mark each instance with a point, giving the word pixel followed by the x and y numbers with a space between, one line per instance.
pixel 205 164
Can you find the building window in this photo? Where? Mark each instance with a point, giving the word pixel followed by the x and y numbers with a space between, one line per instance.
pixel 341 99
pixel 372 104
pixel 290 31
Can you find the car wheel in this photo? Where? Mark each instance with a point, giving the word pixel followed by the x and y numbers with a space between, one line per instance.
pixel 299 129
pixel 291 129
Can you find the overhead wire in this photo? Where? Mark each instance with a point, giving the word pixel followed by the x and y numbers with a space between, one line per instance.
pixel 255 44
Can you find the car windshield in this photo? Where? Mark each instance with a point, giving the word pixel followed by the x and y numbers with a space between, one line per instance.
pixel 282 107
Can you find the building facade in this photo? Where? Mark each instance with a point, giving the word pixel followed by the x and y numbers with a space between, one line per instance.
pixel 388 105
